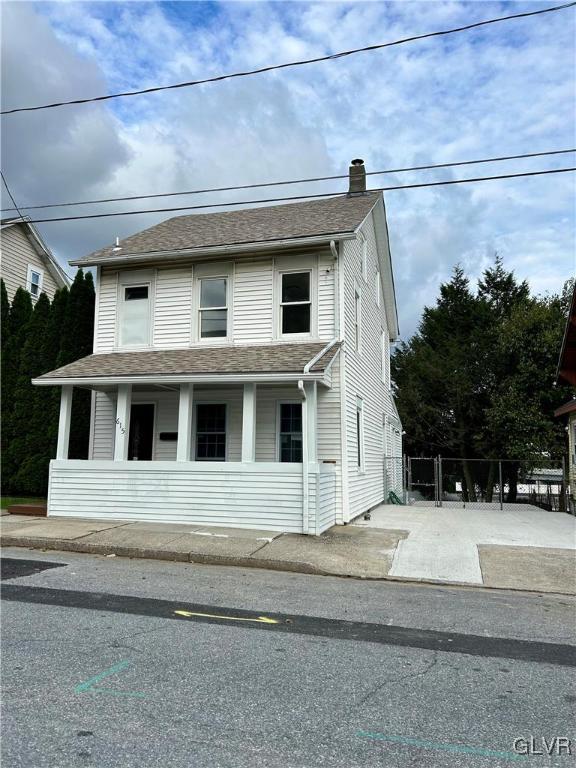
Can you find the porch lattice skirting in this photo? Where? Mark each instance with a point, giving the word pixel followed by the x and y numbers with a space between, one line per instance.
pixel 251 495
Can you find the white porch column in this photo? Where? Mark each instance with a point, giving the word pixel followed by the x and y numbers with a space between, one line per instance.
pixel 64 422
pixel 249 424
pixel 310 413
pixel 184 445
pixel 123 405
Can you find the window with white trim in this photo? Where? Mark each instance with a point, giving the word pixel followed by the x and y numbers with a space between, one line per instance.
pixel 34 281
pixel 357 318
pixel 295 303
pixel 213 308
pixel 290 432
pixel 360 433
pixel 383 350
pixel 210 432
pixel 135 315
pixel 378 289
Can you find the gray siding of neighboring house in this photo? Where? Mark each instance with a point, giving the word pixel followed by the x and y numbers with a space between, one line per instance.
pixel 17 254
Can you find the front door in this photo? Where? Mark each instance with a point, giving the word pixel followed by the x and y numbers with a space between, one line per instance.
pixel 141 437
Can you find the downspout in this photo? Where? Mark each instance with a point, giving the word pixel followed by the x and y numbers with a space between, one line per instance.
pixel 340 334
pixel 336 290
pixel 305 500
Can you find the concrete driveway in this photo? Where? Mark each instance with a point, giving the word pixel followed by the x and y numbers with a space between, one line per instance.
pixel 527 548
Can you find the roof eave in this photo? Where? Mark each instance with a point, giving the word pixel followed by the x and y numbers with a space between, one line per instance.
pixel 182 378
pixel 225 250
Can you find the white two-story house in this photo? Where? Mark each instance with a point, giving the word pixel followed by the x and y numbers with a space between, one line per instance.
pixel 240 373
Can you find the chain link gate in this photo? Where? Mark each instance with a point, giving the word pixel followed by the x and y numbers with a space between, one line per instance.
pixel 482 483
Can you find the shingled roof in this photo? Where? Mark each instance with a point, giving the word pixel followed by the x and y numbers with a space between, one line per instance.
pixel 327 217
pixel 264 358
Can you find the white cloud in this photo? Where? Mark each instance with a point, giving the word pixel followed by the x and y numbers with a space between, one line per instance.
pixel 506 89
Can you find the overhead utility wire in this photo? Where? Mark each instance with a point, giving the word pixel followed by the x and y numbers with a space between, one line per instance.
pixel 11 197
pixel 293 181
pixel 301 197
pixel 300 63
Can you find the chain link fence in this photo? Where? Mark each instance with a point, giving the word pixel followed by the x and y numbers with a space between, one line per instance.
pixel 477 483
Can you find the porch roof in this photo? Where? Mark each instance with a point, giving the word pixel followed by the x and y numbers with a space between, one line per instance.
pixel 257 360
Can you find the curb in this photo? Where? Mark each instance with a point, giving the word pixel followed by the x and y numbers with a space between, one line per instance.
pixel 290 566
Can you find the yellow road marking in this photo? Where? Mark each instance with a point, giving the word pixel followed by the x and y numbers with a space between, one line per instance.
pixel 258 619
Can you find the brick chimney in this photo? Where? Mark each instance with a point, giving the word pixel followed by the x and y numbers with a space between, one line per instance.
pixel 357 178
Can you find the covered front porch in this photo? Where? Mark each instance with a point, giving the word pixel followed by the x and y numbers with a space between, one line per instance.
pixel 240 454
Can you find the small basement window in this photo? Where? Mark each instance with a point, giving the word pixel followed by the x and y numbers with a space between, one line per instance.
pixel 295 303
pixel 135 316
pixel 213 308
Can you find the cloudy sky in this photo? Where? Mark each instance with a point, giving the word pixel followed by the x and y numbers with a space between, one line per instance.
pixel 504 89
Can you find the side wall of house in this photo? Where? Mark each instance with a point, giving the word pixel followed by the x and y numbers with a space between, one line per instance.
pixel 17 255
pixel 367 375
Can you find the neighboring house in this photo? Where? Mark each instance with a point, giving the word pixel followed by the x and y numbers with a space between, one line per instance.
pixel 567 372
pixel 241 372
pixel 27 261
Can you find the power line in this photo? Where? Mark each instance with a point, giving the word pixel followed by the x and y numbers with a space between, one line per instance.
pixel 11 196
pixel 293 181
pixel 301 197
pixel 302 62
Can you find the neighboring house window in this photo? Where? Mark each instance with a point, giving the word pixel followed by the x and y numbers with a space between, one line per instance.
pixel 211 432
pixel 384 355
pixel 357 318
pixel 213 308
pixel 295 303
pixel 378 288
pixel 135 316
pixel 34 281
pixel 290 432
pixel 364 258
pixel 360 433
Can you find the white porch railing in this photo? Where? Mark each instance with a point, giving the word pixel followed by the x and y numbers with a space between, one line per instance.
pixel 251 495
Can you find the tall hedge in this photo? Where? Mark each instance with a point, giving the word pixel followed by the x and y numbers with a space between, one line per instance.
pixel 36 340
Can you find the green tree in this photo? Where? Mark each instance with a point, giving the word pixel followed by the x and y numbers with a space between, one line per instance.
pixel 29 422
pixel 77 342
pixel 476 380
pixel 14 336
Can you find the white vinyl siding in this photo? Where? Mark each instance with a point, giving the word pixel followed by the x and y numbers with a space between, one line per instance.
pixel 106 298
pixel 363 376
pixel 18 255
pixel 253 301
pixel 326 294
pixel 172 308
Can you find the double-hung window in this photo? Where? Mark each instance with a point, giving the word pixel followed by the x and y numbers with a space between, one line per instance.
pixel 213 307
pixel 290 432
pixel 295 303
pixel 211 432
pixel 34 282
pixel 135 316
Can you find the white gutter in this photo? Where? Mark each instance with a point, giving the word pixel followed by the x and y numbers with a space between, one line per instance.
pixel 319 356
pixel 176 379
pixel 343 422
pixel 216 250
pixel 305 500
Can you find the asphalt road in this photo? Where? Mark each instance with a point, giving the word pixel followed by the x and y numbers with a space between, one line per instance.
pixel 111 662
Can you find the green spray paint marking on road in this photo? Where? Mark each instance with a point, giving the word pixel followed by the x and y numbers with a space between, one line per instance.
pixel 89 685
pixel 461 748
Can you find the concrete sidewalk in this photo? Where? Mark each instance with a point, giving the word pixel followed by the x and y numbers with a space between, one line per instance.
pixel 352 551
